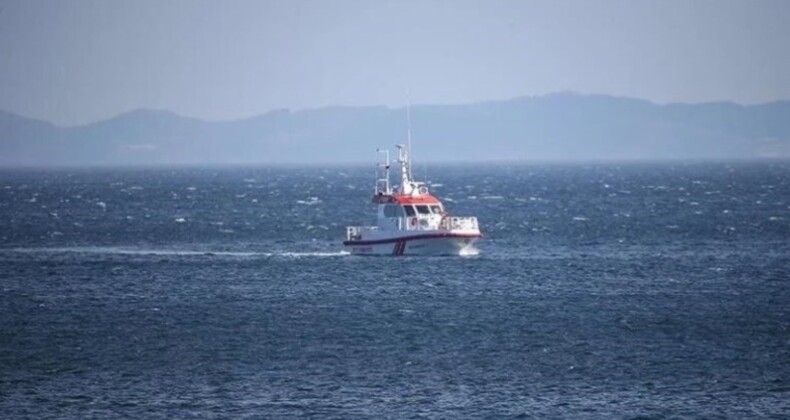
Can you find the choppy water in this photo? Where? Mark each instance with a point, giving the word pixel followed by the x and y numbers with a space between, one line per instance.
pixel 600 291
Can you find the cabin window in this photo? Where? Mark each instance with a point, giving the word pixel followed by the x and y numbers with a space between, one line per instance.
pixel 422 209
pixel 409 211
pixel 392 211
pixel 436 209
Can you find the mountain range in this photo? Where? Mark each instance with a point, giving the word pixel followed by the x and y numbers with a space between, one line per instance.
pixel 555 127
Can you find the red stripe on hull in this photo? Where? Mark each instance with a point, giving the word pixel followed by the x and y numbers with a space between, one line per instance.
pixel 400 246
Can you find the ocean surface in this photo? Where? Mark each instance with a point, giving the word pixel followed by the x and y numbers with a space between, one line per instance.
pixel 599 291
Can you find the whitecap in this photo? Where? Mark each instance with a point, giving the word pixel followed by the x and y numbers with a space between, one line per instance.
pixel 311 201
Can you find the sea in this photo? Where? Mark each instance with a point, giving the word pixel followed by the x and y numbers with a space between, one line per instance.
pixel 600 290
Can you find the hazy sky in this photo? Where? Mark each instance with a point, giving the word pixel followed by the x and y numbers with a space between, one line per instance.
pixel 72 62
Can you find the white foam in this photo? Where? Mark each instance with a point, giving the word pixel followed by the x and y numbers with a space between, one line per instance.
pixel 100 250
pixel 314 254
pixel 129 251
pixel 310 202
pixel 469 252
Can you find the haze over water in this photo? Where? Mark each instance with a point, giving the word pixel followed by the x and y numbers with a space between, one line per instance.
pixel 632 290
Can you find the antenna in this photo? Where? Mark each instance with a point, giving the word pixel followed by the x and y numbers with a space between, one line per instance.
pixel 408 131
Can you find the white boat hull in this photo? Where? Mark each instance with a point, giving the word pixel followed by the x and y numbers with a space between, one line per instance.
pixel 423 244
pixel 410 221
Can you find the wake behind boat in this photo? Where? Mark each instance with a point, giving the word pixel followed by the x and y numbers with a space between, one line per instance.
pixel 410 221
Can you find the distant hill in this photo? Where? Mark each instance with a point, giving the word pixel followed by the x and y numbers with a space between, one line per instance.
pixel 552 127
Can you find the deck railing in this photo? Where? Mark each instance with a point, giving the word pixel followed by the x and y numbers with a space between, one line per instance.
pixel 459 223
pixel 354 233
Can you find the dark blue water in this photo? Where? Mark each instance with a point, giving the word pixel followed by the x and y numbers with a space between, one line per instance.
pixel 600 291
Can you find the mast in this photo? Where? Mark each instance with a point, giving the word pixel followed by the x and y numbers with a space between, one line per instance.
pixel 406 186
pixel 408 130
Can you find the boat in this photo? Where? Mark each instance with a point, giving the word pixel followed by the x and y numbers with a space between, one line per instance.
pixel 410 221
